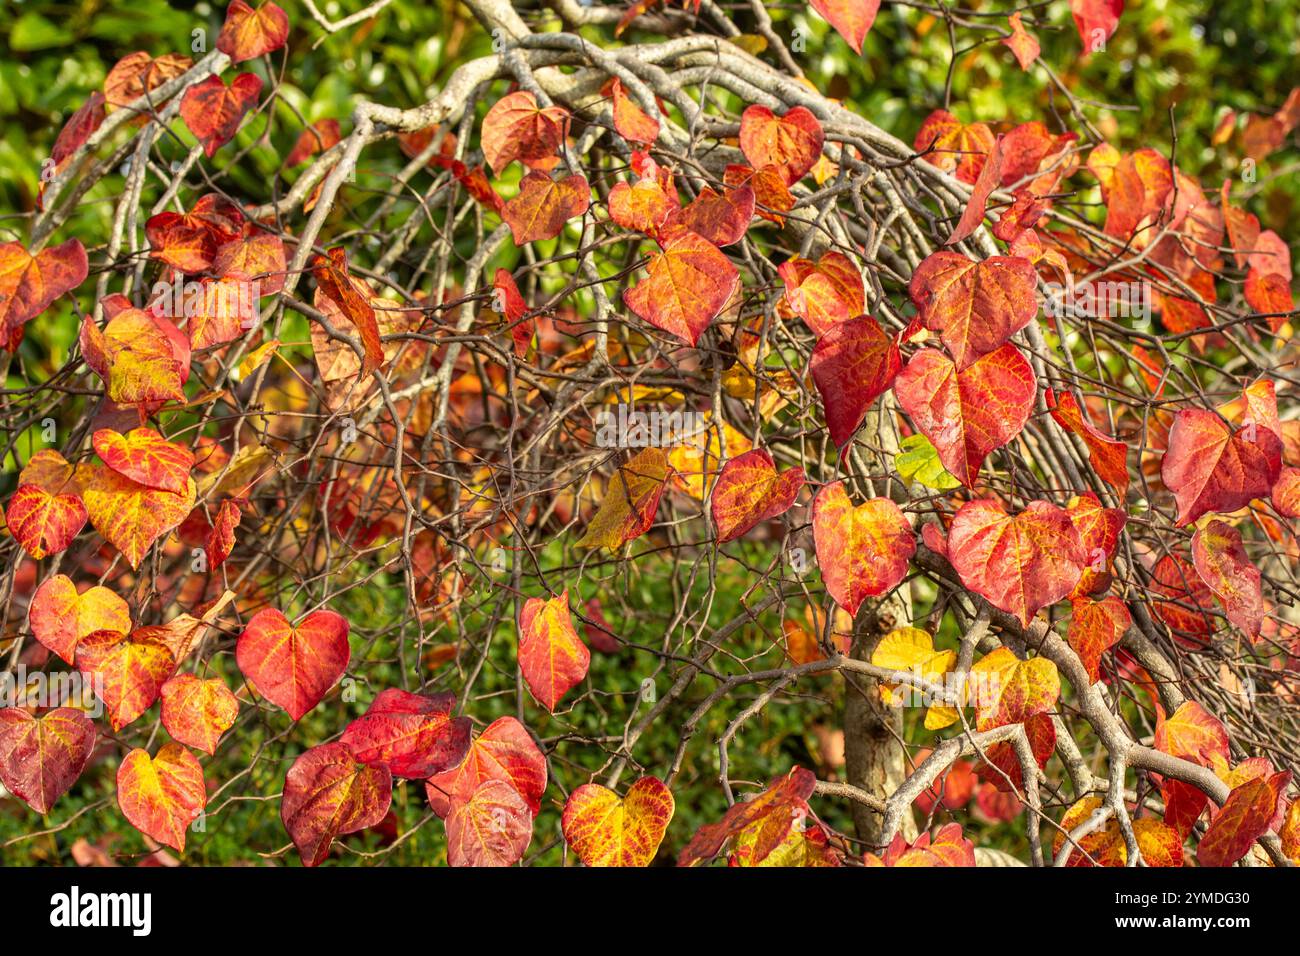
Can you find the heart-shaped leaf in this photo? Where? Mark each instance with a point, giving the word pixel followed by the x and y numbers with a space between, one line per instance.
pixel 160 796
pixel 197 712
pixel 791 142
pixel 328 793
pixel 850 18
pixel 29 284
pixel 749 491
pixel 517 128
pixel 413 735
pixel 293 667
pixel 862 552
pixel 1221 560
pixel 60 617
pixel 853 364
pixel 41 757
pixel 552 657
pixel 132 516
pixel 544 205
pixel 687 285
pixel 249 33
pixel 504 751
pixel 146 458
pixel 213 111
pixel 1212 468
pixel 492 828
pixel 126 671
pixel 606 830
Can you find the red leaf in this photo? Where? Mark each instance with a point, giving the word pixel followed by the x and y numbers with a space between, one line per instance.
pixel 146 458
pixel 513 309
pixel 328 793
pixel 552 658
pixel 967 414
pixel 721 218
pixel 249 33
pixel 1099 529
pixel 504 752
pixel 1224 566
pixel 44 523
pixel 320 136
pixel 1096 20
pixel 750 491
pixel 336 283
pixel 851 18
pixel 853 364
pixel 189 241
pixel 1245 816
pixel 974 306
pixel 1022 43
pixel 1020 563
pixel 30 284
pixel 492 828
pixel 544 205
pixel 631 122
pixel 60 617
pixel 41 757
pixel 128 672
pixel 1286 492
pixel 775 811
pixel 989 179
pixel 824 294
pixel 413 735
pixel 79 128
pixel 862 552
pixel 1211 468
pixel 1096 627
pixel 221 541
pixel 293 667
pixel 197 712
pixel 953 146
pixel 1108 456
pixel 213 111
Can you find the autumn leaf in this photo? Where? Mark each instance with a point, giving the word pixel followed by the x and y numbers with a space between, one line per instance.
pixel 1013 690
pixel 126 671
pixel 552 658
pixel 197 712
pixel 320 136
pixel 213 111
pixel 1211 468
pixel 132 516
pixel 1181 592
pixel 687 285
pixel 1245 816
pixel 160 796
pixel 750 491
pixel 293 666
pixel 783 806
pixel 953 146
pixel 493 827
pixel 720 218
pixel 139 73
pixel 825 293
pixel 1222 562
pixel 630 121
pixel 258 257
pixel 413 735
pixel 1096 21
pixel 1096 627
pixel 146 458
pixel 910 650
pixel 852 365
pixel 544 205
pixel 42 757
pixel 142 358
pixel 44 522
pixel 505 752
pixel 969 413
pixel 989 179
pixel 189 241
pixel 792 142
pixel 974 306
pixel 604 829
pixel 643 206
pixel 221 540
pixel 850 18
pixel 335 282
pixel 1021 42
pixel 514 311
pixel 78 129
pixel 1099 530
pixel 328 793
pixel 1192 733
pixel 862 551
pixel 947 848
pixel 1108 456
pixel 249 33
pixel 29 284
pixel 628 509
pixel 517 128
pixel 1021 562
pixel 60 617
pixel 1286 492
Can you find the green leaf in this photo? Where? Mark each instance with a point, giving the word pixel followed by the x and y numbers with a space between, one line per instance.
pixel 919 462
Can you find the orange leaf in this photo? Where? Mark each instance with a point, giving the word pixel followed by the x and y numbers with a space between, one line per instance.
pixel 850 18
pixel 631 122
pixel 1014 690
pixel 552 658
pixel 328 793
pixel 1099 529
pixel 331 274
pixel 44 523
pixel 41 757
pixel 780 808
pixel 189 241
pixel 293 667
pixel 29 284
pixel 825 294
pixel 643 205
pixel 974 306
pixel 1022 43
pixel 1222 563
pixel 749 491
pixel 791 142
pixel 1020 563
pixel 947 848
pixel 221 541
pixel 687 285
pixel 1245 816
pixel 258 257
pixel 143 359
pixel 197 712
pixel 606 830
pixel 953 146
pixel 132 516
pixel 127 672
pixel 1096 627
pixel 60 617
pixel 544 205
pixel 720 218
pixel 1108 456
pixel 969 413
pixel 138 73
pixel 249 33
pixel 862 551
pixel 213 111
pixel 1192 733
pixel 517 128
pixel 320 136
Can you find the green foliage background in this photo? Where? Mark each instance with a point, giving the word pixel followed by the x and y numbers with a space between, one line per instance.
pixel 1172 64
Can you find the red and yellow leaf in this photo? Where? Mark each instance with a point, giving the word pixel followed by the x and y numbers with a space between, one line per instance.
pixel 213 111
pixel 249 33
pixel 60 617
pixel 293 666
pixel 160 796
pixel 687 285
pixel 41 757
pixel 413 735
pixel 552 657
pixel 126 671
pixel 862 552
pixel 750 491
pixel 197 712
pixel 1221 560
pixel 604 829
pixel 328 793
